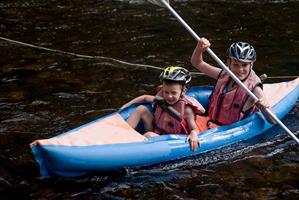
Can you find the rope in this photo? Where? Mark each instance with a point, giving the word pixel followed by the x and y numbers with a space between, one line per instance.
pixel 282 77
pixel 113 59
pixel 80 55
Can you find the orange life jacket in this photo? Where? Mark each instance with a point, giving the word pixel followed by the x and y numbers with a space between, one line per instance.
pixel 167 123
pixel 227 107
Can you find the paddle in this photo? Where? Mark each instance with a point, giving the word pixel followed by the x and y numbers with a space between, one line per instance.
pixel 165 3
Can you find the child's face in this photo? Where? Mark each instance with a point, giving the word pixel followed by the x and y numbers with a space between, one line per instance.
pixel 240 69
pixel 172 92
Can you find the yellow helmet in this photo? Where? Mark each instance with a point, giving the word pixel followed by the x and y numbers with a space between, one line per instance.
pixel 177 74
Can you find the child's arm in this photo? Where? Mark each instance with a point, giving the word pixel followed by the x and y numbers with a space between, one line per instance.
pixel 192 137
pixel 198 62
pixel 263 103
pixel 142 98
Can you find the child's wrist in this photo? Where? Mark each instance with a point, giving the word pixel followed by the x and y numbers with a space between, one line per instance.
pixel 193 132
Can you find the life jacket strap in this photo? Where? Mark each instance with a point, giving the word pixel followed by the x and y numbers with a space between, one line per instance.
pixel 159 101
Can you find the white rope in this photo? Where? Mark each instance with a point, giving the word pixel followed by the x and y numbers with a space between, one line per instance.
pixel 80 55
pixel 87 56
pixel 112 59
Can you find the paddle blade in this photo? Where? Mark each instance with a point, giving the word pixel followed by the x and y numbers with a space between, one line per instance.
pixel 158 2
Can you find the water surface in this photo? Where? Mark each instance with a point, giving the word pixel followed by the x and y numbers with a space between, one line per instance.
pixel 43 93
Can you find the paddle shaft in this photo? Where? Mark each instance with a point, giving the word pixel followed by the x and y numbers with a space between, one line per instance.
pixel 225 68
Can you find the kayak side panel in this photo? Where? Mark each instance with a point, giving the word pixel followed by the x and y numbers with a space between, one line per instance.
pixel 80 160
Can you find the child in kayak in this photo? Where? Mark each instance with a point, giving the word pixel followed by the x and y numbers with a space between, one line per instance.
pixel 173 112
pixel 229 102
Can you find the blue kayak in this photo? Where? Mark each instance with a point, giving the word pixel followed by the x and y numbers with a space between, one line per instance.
pixel 108 143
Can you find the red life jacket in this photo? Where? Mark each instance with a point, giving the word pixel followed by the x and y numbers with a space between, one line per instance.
pixel 165 123
pixel 227 107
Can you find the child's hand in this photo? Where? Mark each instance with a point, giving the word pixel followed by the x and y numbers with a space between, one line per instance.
pixel 193 139
pixel 203 44
pixel 262 103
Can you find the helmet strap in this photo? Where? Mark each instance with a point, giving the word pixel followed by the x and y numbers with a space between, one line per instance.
pixel 183 91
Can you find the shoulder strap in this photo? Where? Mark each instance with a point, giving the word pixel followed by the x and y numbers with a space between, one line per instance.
pixel 159 101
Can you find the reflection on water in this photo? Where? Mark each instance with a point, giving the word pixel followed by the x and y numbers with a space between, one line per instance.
pixel 43 93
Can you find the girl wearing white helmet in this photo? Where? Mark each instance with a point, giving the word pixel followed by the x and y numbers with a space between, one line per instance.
pixel 173 112
pixel 229 103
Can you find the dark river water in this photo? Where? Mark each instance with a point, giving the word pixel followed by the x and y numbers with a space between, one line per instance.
pixel 44 93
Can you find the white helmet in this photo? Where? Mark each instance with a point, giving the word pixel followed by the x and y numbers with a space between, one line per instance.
pixel 242 51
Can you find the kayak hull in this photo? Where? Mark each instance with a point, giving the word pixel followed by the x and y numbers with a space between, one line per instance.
pixel 77 160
